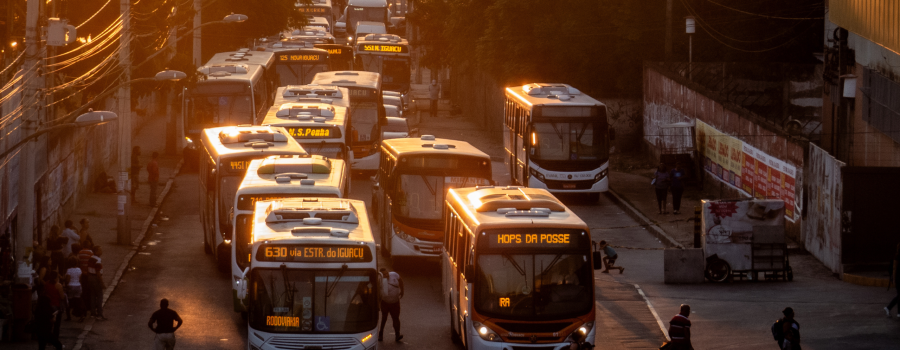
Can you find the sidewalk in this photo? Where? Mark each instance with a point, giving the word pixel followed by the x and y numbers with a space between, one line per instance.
pixel 100 209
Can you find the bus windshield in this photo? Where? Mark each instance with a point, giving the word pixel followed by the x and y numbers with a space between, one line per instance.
pixel 227 189
pixel 394 72
pixel 422 196
pixel 298 74
pixel 291 300
pixel 363 121
pixel 330 150
pixel 537 286
pixel 221 104
pixel 356 14
pixel 568 142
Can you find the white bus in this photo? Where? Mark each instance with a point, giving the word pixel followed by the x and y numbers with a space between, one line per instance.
pixel 556 138
pixel 280 177
pixel 361 11
pixel 388 55
pixel 410 185
pixel 367 114
pixel 517 270
pixel 236 88
pixel 225 154
pixel 318 8
pixel 312 281
pixel 318 123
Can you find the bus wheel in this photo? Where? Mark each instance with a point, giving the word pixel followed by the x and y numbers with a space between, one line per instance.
pixel 593 197
pixel 223 258
pixel 454 335
pixel 244 315
pixel 717 270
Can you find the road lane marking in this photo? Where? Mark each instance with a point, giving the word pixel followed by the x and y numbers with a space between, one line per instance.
pixel 662 326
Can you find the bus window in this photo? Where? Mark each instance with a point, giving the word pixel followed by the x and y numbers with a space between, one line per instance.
pixel 243 226
pixel 460 246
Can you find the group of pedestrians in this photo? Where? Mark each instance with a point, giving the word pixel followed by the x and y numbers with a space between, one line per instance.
pixel 68 281
pixel 666 180
pixel 785 330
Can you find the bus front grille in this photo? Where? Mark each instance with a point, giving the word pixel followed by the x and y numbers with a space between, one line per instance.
pixel 570 185
pixel 534 327
pixel 334 343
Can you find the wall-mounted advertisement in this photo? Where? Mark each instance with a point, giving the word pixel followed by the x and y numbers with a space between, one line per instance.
pixel 745 168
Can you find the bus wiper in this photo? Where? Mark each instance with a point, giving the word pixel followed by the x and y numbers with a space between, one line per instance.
pixel 515 264
pixel 552 263
pixel 319 149
pixel 428 184
pixel 330 289
pixel 288 289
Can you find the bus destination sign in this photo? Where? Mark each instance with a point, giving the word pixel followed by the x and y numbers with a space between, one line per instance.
pixel 383 48
pixel 306 9
pixel 309 132
pixel 532 240
pixel 314 253
pixel 248 201
pixel 236 165
pixel 300 58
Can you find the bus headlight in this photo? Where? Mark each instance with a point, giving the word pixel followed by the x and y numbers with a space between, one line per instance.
pixel 536 174
pixel 601 175
pixel 486 333
pixel 402 235
pixel 581 333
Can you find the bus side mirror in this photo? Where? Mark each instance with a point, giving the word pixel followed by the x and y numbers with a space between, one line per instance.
pixel 469 271
pixel 598 260
pixel 242 285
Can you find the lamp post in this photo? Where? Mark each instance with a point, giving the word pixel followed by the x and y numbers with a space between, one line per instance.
pixel 232 18
pixel 690 28
pixel 123 227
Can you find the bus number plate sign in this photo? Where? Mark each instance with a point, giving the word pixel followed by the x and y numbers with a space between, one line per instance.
pixel 313 253
pixel 531 240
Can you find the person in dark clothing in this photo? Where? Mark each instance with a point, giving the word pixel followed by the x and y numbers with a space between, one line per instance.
pixel 153 177
pixel 661 183
pixel 391 293
pixel 676 177
pixel 896 300
pixel 55 245
pixel 135 169
pixel 680 329
pixel 44 318
pixel 791 331
pixel 54 292
pixel 165 327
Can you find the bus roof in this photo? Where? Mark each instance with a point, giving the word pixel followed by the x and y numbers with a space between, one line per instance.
pixel 367 3
pixel 349 78
pixel 513 206
pixel 427 144
pixel 243 56
pixel 306 112
pixel 315 3
pixel 313 175
pixel 542 94
pixel 233 140
pixel 332 94
pixel 286 220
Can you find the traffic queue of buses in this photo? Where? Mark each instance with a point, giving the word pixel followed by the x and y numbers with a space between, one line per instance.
pixel 275 133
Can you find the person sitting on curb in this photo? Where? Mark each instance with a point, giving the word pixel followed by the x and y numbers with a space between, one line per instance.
pixel 610 259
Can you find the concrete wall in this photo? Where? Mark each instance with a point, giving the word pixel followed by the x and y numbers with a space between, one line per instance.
pixel 822 217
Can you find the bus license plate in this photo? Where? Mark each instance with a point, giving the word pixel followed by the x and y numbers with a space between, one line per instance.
pixel 569 186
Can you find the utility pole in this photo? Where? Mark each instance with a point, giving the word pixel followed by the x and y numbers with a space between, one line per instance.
pixel 668 30
pixel 31 93
pixel 197 22
pixel 123 224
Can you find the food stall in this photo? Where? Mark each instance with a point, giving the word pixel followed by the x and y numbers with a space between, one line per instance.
pixel 742 238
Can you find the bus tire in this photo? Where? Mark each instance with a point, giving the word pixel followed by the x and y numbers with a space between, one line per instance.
pixel 223 258
pixel 718 270
pixel 454 335
pixel 593 197
pixel 244 315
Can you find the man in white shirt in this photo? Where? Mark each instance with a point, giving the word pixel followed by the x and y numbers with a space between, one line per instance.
pixel 70 233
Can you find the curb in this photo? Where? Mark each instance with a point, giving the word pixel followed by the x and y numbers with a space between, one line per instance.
pixel 865 281
pixel 124 265
pixel 637 215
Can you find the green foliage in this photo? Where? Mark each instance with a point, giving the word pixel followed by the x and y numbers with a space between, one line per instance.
pixel 265 18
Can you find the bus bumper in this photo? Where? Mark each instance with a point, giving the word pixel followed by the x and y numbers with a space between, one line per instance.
pixel 366 163
pixel 400 247
pixel 476 342
pixel 277 341
pixel 597 187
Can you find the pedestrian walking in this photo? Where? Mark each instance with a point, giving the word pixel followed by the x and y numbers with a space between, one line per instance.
pixel 165 327
pixel 95 280
pixel 44 318
pixel 135 170
pixel 391 293
pixel 680 330
pixel 660 184
pixel 896 277
pixel 55 293
pixel 74 290
pixel 786 331
pixel 609 261
pixel 72 235
pixel 85 232
pixel 434 92
pixel 153 177
pixel 84 257
pixel 676 177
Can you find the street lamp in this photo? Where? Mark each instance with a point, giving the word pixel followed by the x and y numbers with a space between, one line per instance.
pixel 690 28
pixel 87 119
pixel 232 18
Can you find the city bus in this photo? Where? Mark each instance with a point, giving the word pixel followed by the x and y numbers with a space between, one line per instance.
pixel 410 185
pixel 225 153
pixel 361 11
pixel 556 138
pixel 317 124
pixel 236 88
pixel 318 8
pixel 387 54
pixel 295 65
pixel 279 177
pixel 517 270
pixel 367 113
pixel 340 57
pixel 312 281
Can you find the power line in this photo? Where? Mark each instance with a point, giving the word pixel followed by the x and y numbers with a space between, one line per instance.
pixel 765 16
pixel 94 15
